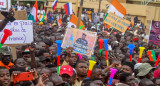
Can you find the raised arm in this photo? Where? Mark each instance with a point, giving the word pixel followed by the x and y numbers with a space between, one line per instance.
pixel 8 17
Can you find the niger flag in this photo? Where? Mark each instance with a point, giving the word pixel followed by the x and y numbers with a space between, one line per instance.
pixel 74 20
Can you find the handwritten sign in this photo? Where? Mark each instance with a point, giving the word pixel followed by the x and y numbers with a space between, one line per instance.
pixel 5 5
pixel 22 32
pixel 82 41
pixel 117 22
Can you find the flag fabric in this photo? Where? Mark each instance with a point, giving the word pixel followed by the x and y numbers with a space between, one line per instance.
pixel 54 5
pixel 68 8
pixel 59 21
pixel 106 26
pixel 117 8
pixel 51 10
pixel 74 20
pixel 44 18
pixel 40 17
pixel 33 13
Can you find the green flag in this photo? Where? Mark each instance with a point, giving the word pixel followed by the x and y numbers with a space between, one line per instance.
pixel 51 10
pixel 44 17
pixel 81 27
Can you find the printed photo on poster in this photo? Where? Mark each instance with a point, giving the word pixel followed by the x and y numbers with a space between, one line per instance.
pixel 82 41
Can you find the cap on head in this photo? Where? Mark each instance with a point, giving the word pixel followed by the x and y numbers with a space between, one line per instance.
pixel 66 69
pixel 144 69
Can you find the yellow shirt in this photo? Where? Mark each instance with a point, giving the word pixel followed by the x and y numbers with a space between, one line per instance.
pixel 65 63
pixel 77 83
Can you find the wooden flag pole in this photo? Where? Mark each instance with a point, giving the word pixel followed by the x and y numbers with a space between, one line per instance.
pixel 99 6
pixel 77 1
pixel 79 14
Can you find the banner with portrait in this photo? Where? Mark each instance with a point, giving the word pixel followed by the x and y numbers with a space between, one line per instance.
pixel 154 36
pixel 82 41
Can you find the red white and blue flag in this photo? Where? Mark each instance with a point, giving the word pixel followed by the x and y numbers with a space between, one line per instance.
pixel 54 4
pixel 68 8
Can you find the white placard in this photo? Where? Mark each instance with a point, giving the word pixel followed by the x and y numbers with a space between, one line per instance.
pixel 22 32
pixel 5 5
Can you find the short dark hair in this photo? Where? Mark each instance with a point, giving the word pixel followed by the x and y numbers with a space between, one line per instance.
pixel 94 68
pixel 40 53
pixel 80 62
pixel 84 34
pixel 123 76
pixel 129 64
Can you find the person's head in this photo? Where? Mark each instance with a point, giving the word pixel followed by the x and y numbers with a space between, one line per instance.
pixel 127 78
pixel 42 44
pixel 127 67
pixel 6 59
pixel 98 82
pixel 48 43
pixel 71 59
pixel 20 62
pixel 156 81
pixel 66 72
pixel 51 50
pixel 144 60
pixel 146 82
pixel 83 36
pixel 81 68
pixel 96 72
pixel 4 76
pixel 44 61
pixel 85 81
pixel 145 70
pixel 103 64
pixel 45 71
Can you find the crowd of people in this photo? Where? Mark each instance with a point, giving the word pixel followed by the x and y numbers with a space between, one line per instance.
pixel 40 58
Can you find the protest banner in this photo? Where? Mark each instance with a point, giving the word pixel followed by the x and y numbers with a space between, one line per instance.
pixel 154 36
pixel 82 41
pixel 18 15
pixel 5 5
pixel 117 22
pixel 22 32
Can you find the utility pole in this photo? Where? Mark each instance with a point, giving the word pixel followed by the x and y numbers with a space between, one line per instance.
pixel 99 6
pixel 79 14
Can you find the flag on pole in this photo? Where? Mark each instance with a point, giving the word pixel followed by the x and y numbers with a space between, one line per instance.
pixel 33 13
pixel 54 4
pixel 59 21
pixel 74 20
pixel 44 18
pixel 117 8
pixel 40 17
pixel 68 8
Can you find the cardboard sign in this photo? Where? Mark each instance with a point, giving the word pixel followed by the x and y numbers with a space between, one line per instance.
pixel 22 32
pixel 117 22
pixel 154 36
pixel 82 41
pixel 5 5
pixel 18 15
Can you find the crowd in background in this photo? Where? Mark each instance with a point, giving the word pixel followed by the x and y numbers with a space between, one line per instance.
pixel 40 56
